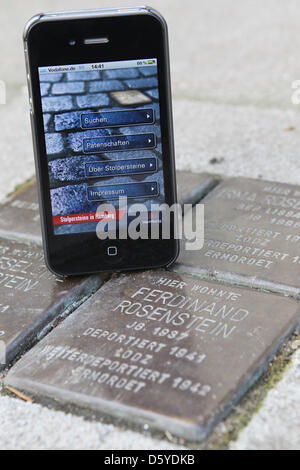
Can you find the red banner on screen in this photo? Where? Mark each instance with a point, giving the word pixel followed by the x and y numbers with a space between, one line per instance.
pixel 89 217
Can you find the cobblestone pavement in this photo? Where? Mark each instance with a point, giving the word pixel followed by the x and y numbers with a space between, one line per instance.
pixel 233 65
pixel 62 95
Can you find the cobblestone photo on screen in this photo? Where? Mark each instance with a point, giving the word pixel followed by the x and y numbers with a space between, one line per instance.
pixel 89 145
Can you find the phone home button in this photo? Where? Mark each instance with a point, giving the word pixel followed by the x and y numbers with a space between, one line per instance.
pixel 112 250
pixel 112 253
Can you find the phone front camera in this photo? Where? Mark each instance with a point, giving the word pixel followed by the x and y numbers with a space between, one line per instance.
pixel 72 42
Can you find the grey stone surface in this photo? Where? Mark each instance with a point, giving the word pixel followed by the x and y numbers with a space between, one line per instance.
pixel 97 99
pixel 65 88
pixel 221 51
pixel 172 351
pixel 72 170
pixel 153 93
pixel 120 73
pixel 67 121
pixel 191 187
pixel 69 199
pixel 148 71
pixel 276 425
pixel 75 76
pixel 140 83
pixel 14 118
pixel 53 78
pixel 141 130
pixel 251 236
pixel 46 119
pixel 75 139
pixel 25 426
pixel 20 216
pixel 54 144
pixel 31 297
pixel 45 87
pixel 62 103
pixel 246 141
pixel 106 85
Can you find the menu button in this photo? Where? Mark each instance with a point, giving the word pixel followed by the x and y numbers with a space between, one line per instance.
pixel 112 251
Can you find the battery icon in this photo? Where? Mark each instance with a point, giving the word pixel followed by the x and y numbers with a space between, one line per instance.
pixel 151 62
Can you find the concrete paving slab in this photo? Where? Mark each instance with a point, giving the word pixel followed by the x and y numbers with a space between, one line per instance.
pixel 238 141
pixel 20 216
pixel 16 152
pixel 276 425
pixel 222 51
pixel 26 426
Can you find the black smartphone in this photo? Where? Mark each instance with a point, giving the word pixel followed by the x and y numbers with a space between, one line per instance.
pixel 100 104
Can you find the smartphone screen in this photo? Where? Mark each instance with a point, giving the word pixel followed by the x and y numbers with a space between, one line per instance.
pixel 103 140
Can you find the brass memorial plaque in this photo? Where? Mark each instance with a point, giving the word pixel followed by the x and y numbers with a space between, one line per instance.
pixel 252 236
pixel 161 348
pixel 31 297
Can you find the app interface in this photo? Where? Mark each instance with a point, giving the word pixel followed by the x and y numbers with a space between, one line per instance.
pixel 103 140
